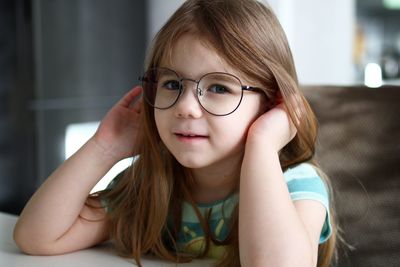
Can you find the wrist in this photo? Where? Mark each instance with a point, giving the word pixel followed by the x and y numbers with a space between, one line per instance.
pixel 255 151
pixel 261 142
pixel 105 154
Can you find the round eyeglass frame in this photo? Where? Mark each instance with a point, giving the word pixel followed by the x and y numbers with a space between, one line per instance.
pixel 144 79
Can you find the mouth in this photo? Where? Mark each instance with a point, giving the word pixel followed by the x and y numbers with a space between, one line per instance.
pixel 190 137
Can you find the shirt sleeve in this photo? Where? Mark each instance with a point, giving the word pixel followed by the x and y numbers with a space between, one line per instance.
pixel 304 182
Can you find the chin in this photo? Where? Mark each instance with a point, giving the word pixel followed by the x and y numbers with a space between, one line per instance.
pixel 190 163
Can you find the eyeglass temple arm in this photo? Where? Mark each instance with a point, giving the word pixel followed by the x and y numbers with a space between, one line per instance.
pixel 250 88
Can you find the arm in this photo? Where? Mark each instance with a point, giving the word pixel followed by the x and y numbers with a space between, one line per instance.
pixel 52 221
pixel 282 233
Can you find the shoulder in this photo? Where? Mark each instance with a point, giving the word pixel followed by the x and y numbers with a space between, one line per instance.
pixel 302 170
pixel 305 183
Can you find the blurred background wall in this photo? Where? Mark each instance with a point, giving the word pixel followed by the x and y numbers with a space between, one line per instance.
pixel 62 62
pixel 313 27
pixel 65 62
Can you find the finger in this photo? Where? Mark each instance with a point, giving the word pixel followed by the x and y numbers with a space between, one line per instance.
pixel 137 106
pixel 129 97
pixel 292 127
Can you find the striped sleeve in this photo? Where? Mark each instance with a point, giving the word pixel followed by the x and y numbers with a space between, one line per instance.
pixel 304 182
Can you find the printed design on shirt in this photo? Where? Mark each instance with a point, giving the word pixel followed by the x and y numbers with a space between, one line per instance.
pixel 303 183
pixel 192 239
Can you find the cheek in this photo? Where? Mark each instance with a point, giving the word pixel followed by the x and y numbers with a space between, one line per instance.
pixel 244 118
pixel 252 109
pixel 234 131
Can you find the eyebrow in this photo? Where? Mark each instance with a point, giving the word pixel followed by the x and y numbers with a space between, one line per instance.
pixel 201 75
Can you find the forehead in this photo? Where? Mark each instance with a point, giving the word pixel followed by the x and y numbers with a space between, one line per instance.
pixel 194 56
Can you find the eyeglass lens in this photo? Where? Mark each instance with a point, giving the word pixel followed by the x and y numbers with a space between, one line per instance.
pixel 218 93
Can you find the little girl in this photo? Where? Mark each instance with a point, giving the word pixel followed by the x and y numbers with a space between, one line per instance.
pixel 223 143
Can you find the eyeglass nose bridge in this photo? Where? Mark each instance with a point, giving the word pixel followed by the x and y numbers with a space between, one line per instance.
pixel 199 92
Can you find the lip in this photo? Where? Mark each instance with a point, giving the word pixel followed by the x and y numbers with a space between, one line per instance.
pixel 190 137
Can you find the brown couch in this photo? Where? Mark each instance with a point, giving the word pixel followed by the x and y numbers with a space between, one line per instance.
pixel 359 148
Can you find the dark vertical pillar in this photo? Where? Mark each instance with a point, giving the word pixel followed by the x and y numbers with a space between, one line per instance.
pixel 17 124
pixel 61 62
pixel 87 53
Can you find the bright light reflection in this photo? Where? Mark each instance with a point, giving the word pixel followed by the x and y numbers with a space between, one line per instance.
pixel 76 135
pixel 373 75
pixel 391 4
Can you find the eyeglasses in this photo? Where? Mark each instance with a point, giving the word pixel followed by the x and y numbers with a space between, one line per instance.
pixel 219 93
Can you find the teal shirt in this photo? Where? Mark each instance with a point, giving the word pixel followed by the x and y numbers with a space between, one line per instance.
pixel 303 183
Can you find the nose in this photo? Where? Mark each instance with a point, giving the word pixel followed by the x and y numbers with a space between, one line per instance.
pixel 188 106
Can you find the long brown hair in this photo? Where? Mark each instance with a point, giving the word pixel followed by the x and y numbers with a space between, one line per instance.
pixel 249 37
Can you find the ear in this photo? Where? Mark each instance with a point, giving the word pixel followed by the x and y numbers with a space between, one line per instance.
pixel 279 98
pixel 274 101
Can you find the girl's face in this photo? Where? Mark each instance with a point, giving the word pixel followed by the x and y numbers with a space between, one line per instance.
pixel 197 139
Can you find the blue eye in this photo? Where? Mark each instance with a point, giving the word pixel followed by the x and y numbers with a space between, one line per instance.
pixel 218 89
pixel 171 85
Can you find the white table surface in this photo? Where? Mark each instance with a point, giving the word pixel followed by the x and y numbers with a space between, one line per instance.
pixel 11 256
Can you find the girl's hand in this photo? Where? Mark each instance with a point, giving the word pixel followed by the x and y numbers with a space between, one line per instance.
pixel 117 132
pixel 273 128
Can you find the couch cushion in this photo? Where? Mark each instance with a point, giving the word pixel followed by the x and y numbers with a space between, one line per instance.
pixel 359 148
